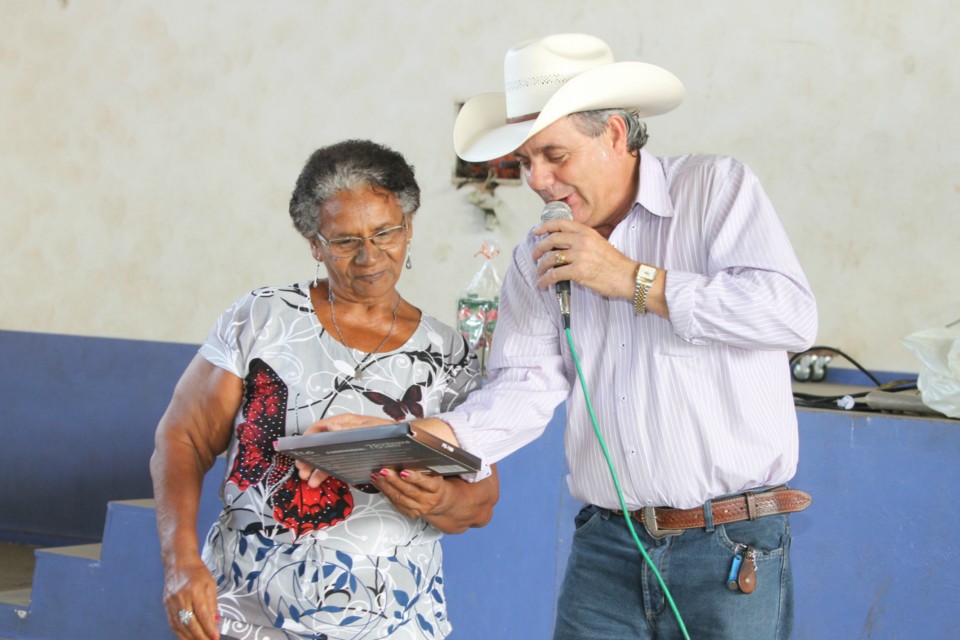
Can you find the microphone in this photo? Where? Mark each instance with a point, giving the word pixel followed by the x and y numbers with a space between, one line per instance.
pixel 557 210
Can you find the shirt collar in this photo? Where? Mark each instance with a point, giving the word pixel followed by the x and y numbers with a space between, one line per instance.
pixel 652 193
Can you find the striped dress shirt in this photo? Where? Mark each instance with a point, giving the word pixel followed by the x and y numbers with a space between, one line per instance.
pixel 691 408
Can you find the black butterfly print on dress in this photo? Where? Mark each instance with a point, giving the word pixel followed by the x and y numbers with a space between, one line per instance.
pixel 399 409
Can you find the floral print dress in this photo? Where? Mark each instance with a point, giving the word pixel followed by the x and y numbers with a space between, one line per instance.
pixel 338 561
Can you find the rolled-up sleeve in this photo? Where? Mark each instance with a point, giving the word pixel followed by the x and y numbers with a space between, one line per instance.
pixel 751 292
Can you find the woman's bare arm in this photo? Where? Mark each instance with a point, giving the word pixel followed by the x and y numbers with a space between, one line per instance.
pixel 193 431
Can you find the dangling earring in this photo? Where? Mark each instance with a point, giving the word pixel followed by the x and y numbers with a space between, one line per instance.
pixel 409 264
pixel 316 278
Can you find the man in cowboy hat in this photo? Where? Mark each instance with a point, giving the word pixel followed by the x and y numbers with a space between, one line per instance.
pixel 685 298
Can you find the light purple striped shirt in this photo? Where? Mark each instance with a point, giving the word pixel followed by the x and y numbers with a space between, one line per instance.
pixel 691 408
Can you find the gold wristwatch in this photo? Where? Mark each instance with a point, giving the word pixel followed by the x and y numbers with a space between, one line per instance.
pixel 645 276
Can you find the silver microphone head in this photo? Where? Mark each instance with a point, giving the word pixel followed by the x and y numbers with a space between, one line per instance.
pixel 556 210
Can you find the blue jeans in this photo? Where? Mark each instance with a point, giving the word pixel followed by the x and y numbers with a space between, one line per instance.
pixel 609 592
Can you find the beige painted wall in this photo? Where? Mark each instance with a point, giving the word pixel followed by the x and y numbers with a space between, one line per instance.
pixel 148 149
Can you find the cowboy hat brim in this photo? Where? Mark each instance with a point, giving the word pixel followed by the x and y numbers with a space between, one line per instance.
pixel 481 131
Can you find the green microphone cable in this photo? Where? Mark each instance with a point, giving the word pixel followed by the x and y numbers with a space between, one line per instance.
pixel 616 484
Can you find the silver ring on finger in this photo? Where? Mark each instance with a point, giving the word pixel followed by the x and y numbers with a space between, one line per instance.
pixel 185 616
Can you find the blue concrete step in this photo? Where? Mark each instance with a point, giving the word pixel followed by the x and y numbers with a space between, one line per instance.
pixel 107 591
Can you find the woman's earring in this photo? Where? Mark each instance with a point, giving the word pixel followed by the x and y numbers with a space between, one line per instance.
pixel 316 278
pixel 409 264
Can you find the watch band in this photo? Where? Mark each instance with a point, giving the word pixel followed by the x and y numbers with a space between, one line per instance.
pixel 644 277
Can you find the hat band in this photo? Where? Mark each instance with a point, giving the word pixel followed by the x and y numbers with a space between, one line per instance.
pixel 526 118
pixel 548 82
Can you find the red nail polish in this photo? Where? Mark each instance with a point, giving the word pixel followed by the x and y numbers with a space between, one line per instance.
pixel 384 473
pixel 404 474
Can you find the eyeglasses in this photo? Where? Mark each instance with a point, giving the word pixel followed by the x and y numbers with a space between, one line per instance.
pixel 350 246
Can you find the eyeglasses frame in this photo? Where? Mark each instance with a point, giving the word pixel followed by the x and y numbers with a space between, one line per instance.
pixel 326 243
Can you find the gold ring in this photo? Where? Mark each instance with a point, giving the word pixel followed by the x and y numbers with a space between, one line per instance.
pixel 559 259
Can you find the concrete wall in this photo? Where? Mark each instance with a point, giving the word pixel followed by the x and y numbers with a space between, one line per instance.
pixel 148 150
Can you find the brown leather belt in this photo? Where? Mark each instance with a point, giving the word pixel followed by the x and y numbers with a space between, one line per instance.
pixel 663 521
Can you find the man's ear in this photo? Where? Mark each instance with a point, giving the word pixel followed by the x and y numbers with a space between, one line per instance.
pixel 617 130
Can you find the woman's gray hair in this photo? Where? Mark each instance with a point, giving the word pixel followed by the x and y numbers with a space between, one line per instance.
pixel 345 166
pixel 594 123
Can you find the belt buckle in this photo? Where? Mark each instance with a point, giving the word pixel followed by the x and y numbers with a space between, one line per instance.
pixel 650 524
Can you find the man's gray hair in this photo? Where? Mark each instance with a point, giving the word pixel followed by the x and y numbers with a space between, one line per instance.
pixel 594 123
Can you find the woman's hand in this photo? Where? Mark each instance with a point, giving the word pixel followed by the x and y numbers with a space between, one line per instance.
pixel 311 475
pixel 190 587
pixel 452 505
pixel 415 494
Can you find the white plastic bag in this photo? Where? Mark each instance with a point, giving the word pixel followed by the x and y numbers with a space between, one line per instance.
pixel 939 380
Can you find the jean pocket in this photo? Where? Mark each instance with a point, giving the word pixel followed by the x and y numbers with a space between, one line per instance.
pixel 585 519
pixel 769 536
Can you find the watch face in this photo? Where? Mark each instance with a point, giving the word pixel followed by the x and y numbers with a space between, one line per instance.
pixel 647 273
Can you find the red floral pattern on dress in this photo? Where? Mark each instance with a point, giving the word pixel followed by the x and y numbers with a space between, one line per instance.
pixel 304 509
pixel 296 505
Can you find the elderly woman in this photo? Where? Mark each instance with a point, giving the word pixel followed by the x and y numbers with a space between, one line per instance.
pixel 317 558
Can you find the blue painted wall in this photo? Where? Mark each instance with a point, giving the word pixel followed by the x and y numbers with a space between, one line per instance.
pixel 76 429
pixel 876 556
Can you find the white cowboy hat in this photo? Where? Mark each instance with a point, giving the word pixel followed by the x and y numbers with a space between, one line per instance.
pixel 550 78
